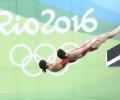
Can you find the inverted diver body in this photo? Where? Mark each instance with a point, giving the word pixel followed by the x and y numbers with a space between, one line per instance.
pixel 77 53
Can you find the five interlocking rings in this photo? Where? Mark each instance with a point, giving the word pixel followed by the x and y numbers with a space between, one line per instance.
pixel 34 54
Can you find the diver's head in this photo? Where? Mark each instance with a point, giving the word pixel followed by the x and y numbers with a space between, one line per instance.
pixel 61 54
pixel 43 65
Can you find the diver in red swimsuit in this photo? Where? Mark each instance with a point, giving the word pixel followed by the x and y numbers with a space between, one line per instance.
pixel 54 67
pixel 90 45
pixel 74 55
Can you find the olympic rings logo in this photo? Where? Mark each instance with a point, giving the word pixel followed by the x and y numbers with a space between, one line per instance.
pixel 34 55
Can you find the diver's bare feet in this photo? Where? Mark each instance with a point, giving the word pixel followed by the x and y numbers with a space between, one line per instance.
pixel 114 32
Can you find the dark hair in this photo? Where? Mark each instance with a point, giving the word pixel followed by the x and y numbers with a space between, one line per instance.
pixel 61 54
pixel 43 65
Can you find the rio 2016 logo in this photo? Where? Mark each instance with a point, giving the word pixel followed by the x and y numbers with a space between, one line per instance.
pixel 32 26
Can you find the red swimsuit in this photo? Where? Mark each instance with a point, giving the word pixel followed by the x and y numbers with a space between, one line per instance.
pixel 85 51
pixel 64 62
